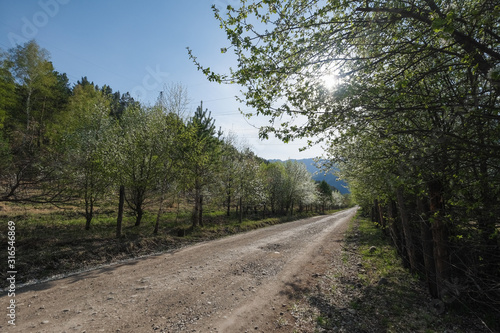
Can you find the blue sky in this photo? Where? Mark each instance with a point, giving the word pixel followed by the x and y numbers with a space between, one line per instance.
pixel 139 46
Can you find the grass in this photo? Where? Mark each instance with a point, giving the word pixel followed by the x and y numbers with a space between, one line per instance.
pixel 51 241
pixel 404 299
pixel 369 290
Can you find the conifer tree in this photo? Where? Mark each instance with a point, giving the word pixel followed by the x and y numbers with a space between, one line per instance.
pixel 201 156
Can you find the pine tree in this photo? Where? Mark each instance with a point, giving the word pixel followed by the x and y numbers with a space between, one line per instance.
pixel 201 157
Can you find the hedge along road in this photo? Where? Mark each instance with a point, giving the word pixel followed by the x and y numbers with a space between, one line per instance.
pixel 235 284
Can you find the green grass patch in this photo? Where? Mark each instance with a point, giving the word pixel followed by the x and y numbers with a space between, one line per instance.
pixel 391 299
pixel 369 290
pixel 380 258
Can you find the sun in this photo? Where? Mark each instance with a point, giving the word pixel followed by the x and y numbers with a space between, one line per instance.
pixel 330 81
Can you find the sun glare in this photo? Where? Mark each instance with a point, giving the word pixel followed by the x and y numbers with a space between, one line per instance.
pixel 330 81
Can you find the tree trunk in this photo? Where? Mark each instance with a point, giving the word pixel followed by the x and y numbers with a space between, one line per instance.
pixel 405 222
pixel 427 246
pixel 383 222
pixel 28 109
pixel 40 124
pixel 158 215
pixel 380 216
pixel 200 212
pixel 89 212
pixel 376 213
pixel 196 213
pixel 439 236
pixel 121 202
pixel 139 215
pixel 394 229
pixel 487 221
pixel 88 219
pixel 241 209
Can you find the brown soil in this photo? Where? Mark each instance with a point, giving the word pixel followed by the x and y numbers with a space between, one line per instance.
pixel 240 283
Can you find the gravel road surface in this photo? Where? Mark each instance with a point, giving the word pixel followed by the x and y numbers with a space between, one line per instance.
pixel 242 283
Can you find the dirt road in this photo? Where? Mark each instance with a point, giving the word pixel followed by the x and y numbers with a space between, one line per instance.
pixel 235 284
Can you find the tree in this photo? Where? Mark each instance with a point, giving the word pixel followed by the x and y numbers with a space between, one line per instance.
pixel 229 159
pixel 37 82
pixel 249 186
pixel 7 88
pixel 175 99
pixel 414 118
pixel 288 185
pixel 381 54
pixel 275 175
pixel 338 200
pixel 309 193
pixel 169 110
pixel 325 191
pixel 143 153
pixel 201 157
pixel 295 187
pixel 40 93
pixel 86 129
pixel 7 102
pixel 170 155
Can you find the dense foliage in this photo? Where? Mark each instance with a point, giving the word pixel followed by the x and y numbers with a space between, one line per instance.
pixel 413 122
pixel 89 146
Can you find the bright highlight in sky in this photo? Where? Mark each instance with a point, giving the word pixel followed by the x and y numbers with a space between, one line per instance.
pixel 330 81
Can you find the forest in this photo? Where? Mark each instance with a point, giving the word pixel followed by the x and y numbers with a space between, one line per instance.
pixel 413 121
pixel 85 146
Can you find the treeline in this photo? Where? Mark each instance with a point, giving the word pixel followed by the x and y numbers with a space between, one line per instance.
pixel 82 144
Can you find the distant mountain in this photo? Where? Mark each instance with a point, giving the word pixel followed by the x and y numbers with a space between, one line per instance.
pixel 318 175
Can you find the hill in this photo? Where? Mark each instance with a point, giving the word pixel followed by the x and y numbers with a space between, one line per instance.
pixel 319 175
